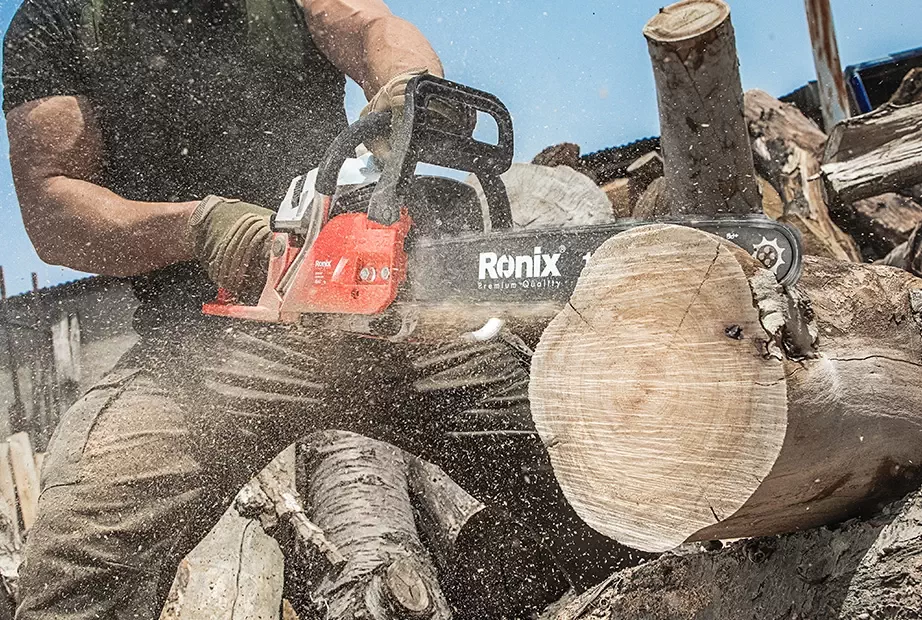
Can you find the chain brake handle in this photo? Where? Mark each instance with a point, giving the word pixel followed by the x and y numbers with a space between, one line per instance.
pixel 418 137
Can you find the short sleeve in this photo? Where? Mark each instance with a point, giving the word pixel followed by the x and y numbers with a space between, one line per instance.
pixel 42 55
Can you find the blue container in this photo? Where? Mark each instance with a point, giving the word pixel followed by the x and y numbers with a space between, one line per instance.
pixel 870 84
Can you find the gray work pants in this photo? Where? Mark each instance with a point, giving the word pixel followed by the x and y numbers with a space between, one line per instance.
pixel 146 462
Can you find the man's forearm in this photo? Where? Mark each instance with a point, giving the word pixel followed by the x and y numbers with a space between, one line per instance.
pixel 84 226
pixel 368 42
pixel 393 46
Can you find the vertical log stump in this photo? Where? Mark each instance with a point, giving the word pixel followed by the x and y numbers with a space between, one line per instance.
pixel 703 135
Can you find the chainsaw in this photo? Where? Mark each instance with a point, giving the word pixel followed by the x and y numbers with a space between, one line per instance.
pixel 349 240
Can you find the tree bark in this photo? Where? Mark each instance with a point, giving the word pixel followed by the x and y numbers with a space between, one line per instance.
pixel 683 395
pixel 787 147
pixel 874 153
pixel 864 569
pixel 357 494
pixel 708 161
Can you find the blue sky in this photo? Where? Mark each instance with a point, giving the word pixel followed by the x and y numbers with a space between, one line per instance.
pixel 573 70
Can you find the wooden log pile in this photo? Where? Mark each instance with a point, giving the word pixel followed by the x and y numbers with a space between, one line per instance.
pixel 684 396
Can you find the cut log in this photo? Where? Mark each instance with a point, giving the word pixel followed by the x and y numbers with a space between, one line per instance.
pixel 863 570
pixel 879 224
pixel 786 147
pixel 772 204
pixel 621 196
pixel 357 494
pixel 234 573
pixel 542 196
pixel 874 153
pixel 683 395
pixel 708 160
pixel 26 476
pixel 653 203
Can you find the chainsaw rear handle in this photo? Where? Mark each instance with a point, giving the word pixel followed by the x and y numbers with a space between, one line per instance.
pixel 418 138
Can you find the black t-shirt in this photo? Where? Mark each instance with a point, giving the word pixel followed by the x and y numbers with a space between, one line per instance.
pixel 193 97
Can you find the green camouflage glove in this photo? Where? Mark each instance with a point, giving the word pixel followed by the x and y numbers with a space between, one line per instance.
pixel 233 240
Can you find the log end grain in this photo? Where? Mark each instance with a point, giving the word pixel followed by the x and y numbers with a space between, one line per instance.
pixel 686 20
pixel 659 357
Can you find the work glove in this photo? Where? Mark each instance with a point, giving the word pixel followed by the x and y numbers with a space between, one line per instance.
pixel 233 240
pixel 391 97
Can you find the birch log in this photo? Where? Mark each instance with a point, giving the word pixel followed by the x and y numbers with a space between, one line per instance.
pixel 357 493
pixel 683 395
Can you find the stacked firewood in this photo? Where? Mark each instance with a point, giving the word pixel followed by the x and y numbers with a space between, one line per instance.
pixel 805 180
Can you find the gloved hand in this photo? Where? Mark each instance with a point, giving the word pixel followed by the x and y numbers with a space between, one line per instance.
pixel 391 97
pixel 233 240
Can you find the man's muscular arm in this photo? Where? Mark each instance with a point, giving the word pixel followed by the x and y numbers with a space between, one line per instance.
pixel 55 153
pixel 367 42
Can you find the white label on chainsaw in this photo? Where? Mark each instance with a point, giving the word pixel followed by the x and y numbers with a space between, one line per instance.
pixel 538 264
pixel 292 213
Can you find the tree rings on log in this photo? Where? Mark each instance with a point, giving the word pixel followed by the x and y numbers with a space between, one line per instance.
pixel 650 384
pixel 540 196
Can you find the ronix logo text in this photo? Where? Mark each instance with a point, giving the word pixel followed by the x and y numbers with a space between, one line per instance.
pixel 502 266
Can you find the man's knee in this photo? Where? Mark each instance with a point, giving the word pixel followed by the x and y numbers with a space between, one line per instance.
pixel 76 569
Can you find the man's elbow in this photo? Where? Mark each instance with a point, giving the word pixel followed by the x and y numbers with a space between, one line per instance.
pixel 49 246
pixel 53 241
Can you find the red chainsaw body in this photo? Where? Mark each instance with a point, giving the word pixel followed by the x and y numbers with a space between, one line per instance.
pixel 354 266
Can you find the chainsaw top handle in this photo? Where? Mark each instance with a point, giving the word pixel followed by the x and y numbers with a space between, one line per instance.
pixel 421 136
